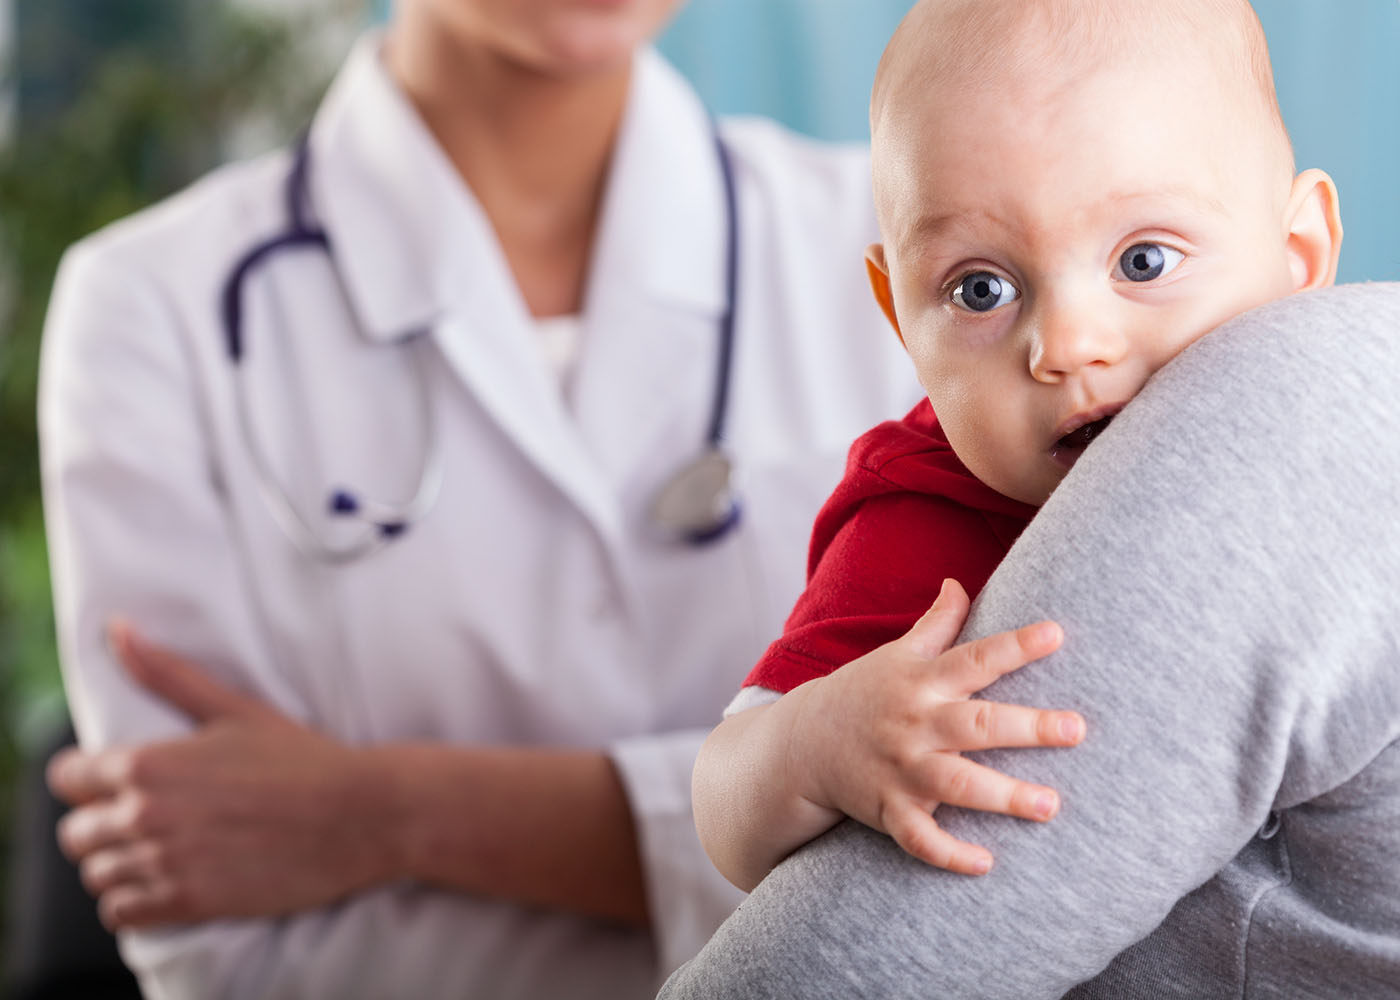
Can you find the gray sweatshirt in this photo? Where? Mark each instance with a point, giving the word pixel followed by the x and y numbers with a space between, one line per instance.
pixel 1225 561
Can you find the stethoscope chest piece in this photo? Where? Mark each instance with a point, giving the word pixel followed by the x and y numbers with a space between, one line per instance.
pixel 698 504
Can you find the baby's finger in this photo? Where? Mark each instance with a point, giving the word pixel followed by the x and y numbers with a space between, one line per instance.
pixel 918 833
pixel 967 669
pixel 984 725
pixel 939 627
pixel 957 781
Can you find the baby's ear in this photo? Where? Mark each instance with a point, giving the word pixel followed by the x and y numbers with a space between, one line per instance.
pixel 1314 231
pixel 879 272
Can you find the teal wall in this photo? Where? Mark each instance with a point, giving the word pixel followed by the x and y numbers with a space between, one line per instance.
pixel 810 62
pixel 1337 64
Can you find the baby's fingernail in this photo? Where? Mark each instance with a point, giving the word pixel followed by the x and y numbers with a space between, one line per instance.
pixel 1045 805
pixel 981 866
pixel 1071 729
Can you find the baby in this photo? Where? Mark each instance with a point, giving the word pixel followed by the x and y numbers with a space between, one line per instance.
pixel 1070 193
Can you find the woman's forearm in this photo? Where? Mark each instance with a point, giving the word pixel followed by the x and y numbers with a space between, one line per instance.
pixel 538 826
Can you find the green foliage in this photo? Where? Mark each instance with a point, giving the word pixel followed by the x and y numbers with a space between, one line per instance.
pixel 150 115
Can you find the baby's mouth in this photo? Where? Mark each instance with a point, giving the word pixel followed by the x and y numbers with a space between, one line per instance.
pixel 1067 449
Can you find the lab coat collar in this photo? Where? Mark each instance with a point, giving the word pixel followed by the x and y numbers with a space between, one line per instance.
pixel 417 251
pixel 664 221
pixel 657 286
pixel 402 224
pixel 388 198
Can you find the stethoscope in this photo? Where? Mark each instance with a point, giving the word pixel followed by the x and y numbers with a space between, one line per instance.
pixel 697 505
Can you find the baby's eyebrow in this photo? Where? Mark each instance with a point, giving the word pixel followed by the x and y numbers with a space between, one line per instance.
pixel 1163 199
pixel 1194 197
pixel 926 227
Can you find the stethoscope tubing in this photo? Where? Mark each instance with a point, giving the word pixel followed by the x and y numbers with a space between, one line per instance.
pixel 696 522
pixel 719 408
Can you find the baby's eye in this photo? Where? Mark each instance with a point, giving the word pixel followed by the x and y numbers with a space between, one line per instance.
pixel 1148 262
pixel 983 291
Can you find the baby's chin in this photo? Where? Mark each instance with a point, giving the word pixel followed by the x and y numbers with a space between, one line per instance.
pixel 1033 491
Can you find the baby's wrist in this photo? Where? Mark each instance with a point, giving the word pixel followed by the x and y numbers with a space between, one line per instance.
pixel 809 745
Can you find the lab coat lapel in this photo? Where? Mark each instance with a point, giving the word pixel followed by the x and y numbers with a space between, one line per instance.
pixel 416 251
pixel 657 284
pixel 490 345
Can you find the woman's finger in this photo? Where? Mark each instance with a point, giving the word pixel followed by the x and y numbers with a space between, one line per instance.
pixel 76 776
pixel 964 670
pixel 181 682
pixel 916 831
pixel 87 829
pixel 985 725
pixel 143 904
pixel 138 861
pixel 105 822
pixel 957 781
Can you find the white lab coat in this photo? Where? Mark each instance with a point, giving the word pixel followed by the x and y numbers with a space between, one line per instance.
pixel 533 605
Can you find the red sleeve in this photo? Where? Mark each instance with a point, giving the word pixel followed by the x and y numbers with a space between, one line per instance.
pixel 906 516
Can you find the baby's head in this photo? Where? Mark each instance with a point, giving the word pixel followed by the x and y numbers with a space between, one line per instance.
pixel 1070 192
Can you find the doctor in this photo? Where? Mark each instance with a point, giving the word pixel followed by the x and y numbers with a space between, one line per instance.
pixel 384 433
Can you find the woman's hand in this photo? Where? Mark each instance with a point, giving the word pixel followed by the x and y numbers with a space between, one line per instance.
pixel 880 739
pixel 253 814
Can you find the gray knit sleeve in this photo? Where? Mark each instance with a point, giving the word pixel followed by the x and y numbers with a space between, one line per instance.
pixel 1224 561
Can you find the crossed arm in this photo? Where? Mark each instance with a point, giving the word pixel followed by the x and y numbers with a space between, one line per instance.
pixel 256 815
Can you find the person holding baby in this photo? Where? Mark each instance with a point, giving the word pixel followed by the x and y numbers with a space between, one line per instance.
pixel 1071 196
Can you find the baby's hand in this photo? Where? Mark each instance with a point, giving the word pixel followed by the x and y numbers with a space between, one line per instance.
pixel 879 739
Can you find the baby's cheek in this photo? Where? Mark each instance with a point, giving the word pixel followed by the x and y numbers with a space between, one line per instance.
pixel 996 440
pixel 984 333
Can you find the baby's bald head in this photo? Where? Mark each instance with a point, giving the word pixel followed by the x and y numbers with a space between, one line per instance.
pixel 945 50
pixel 1070 193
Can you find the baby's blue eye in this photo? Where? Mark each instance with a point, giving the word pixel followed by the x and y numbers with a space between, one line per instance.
pixel 983 291
pixel 1148 261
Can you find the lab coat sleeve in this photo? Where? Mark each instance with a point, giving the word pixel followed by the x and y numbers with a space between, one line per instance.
pixel 137 529
pixel 134 513
pixel 687 895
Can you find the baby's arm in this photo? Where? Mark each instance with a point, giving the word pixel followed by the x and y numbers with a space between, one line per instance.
pixel 878 740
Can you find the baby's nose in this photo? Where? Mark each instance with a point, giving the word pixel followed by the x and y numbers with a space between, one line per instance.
pixel 1067 341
